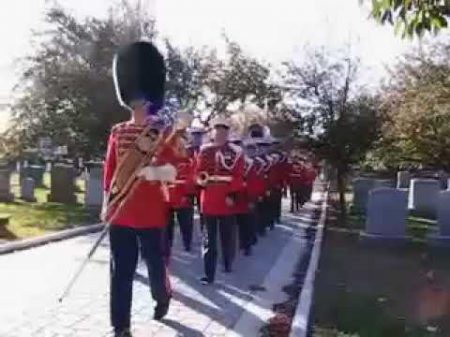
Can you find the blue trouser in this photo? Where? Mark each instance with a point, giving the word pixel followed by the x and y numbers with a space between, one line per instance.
pixel 245 230
pixel 262 217
pixel 185 219
pixel 225 225
pixel 125 243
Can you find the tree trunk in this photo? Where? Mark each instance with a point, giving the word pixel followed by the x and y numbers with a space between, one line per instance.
pixel 341 186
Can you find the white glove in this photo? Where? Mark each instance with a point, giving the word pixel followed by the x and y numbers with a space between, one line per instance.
pixel 164 173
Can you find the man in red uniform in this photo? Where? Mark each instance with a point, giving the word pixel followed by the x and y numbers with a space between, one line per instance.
pixel 181 198
pixel 296 178
pixel 256 188
pixel 277 178
pixel 139 223
pixel 196 139
pixel 270 170
pixel 310 178
pixel 282 168
pixel 243 205
pixel 257 141
pixel 219 170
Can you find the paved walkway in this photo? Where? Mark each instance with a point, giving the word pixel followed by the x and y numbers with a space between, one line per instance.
pixel 32 280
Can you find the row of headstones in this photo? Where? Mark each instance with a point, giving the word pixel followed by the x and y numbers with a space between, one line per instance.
pixel 404 178
pixel 422 194
pixel 387 213
pixel 62 187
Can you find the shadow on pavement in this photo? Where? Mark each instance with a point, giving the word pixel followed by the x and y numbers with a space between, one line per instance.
pixel 181 329
pixel 231 292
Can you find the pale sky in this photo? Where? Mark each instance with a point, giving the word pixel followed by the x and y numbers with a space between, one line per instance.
pixel 274 31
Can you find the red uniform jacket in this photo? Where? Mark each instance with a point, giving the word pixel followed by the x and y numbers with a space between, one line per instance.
pixel 278 172
pixel 269 173
pixel 224 161
pixel 244 197
pixel 296 174
pixel 257 179
pixel 147 206
pixel 181 193
pixel 310 175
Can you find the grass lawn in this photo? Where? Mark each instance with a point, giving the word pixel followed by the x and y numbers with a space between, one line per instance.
pixel 378 292
pixel 33 219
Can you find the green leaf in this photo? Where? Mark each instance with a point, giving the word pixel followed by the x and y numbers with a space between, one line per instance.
pixel 443 22
pixel 399 26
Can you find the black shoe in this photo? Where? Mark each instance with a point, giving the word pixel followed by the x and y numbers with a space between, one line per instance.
pixel 227 269
pixel 205 281
pixel 123 333
pixel 161 310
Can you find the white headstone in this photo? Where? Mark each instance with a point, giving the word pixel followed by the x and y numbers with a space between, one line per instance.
pixel 94 187
pixel 387 211
pixel 27 190
pixel 5 185
pixel 361 188
pixel 423 196
pixel 403 179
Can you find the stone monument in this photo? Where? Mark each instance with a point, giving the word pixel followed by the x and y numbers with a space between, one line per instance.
pixel 27 190
pixel 387 211
pixel 441 235
pixel 5 185
pixel 62 187
pixel 94 186
pixel 423 196
pixel 361 188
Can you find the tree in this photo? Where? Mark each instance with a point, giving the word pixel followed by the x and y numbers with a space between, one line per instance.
pixel 66 88
pixel 236 81
pixel 417 103
pixel 412 17
pixel 333 116
pixel 187 71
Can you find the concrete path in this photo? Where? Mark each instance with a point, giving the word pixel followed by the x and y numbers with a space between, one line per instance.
pixel 237 305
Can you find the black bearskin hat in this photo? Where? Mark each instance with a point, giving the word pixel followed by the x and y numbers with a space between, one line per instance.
pixel 140 74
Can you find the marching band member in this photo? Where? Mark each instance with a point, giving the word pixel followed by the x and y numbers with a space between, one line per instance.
pixel 270 175
pixel 256 186
pixel 196 139
pixel 219 170
pixel 296 182
pixel 242 205
pixel 256 135
pixel 310 175
pixel 276 178
pixel 181 198
pixel 282 171
pixel 139 74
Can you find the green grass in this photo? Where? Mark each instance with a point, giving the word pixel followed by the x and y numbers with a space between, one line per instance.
pixel 34 219
pixel 359 315
pixel 376 292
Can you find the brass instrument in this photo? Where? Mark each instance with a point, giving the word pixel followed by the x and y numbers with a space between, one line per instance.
pixel 204 178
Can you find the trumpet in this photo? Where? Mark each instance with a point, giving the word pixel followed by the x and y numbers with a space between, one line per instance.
pixel 204 178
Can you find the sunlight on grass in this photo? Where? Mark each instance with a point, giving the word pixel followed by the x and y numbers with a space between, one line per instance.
pixel 33 219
